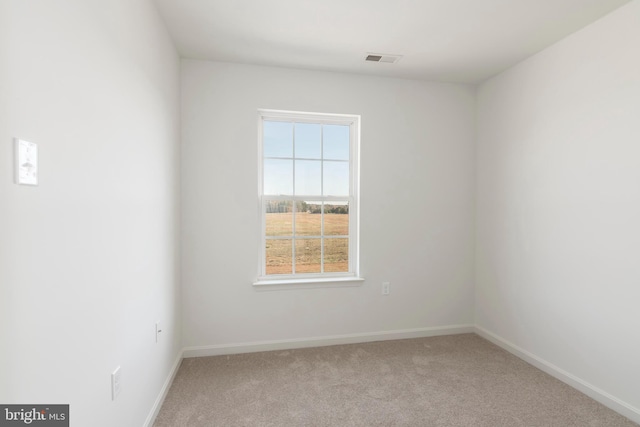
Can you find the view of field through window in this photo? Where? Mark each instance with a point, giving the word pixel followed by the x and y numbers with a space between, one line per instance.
pixel 306 195
pixel 319 236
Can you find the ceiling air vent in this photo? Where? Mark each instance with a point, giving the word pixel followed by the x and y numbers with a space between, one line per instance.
pixel 380 57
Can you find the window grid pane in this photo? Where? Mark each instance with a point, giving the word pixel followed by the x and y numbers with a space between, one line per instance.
pixel 336 219
pixel 335 142
pixel 277 139
pixel 308 255
pixel 336 255
pixel 308 141
pixel 278 176
pixel 278 218
pixel 308 218
pixel 278 256
pixel 308 177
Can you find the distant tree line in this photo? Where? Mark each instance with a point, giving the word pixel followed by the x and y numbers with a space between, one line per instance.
pixel 336 209
pixel 276 206
pixel 286 206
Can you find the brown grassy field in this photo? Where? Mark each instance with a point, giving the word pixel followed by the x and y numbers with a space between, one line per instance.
pixel 308 253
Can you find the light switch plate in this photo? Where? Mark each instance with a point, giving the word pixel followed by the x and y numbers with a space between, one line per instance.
pixel 26 162
pixel 116 378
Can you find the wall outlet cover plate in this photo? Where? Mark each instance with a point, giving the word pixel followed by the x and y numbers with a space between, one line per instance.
pixel 26 162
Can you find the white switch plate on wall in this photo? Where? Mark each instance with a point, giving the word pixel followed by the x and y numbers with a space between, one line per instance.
pixel 116 378
pixel 386 288
pixel 26 162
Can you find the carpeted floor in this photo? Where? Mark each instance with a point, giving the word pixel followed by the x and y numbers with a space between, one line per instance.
pixel 457 380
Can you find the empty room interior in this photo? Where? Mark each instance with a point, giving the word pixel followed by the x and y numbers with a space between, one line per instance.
pixel 301 212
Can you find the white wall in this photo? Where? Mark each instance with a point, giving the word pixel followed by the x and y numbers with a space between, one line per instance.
pixel 417 206
pixel 89 258
pixel 558 229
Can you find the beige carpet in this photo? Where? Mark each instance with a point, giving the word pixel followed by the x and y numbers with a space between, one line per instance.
pixel 458 380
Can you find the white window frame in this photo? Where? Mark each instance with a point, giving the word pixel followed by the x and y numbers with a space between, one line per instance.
pixel 343 278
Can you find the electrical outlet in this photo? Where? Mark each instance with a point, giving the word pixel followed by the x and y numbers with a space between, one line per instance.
pixel 158 331
pixel 386 288
pixel 116 377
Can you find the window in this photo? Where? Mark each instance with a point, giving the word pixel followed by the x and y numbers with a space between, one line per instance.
pixel 308 196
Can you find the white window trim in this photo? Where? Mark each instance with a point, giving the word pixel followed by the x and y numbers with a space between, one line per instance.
pixel 306 280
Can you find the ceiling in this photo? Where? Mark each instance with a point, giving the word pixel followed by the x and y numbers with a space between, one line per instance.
pixel 463 41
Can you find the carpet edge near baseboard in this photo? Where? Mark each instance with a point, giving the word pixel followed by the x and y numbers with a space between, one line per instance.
pixel 288 344
pixel 579 384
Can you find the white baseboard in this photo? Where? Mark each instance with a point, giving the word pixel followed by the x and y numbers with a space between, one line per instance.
pixel 155 409
pixel 252 347
pixel 590 390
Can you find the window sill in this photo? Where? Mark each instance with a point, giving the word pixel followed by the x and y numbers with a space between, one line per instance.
pixel 324 282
